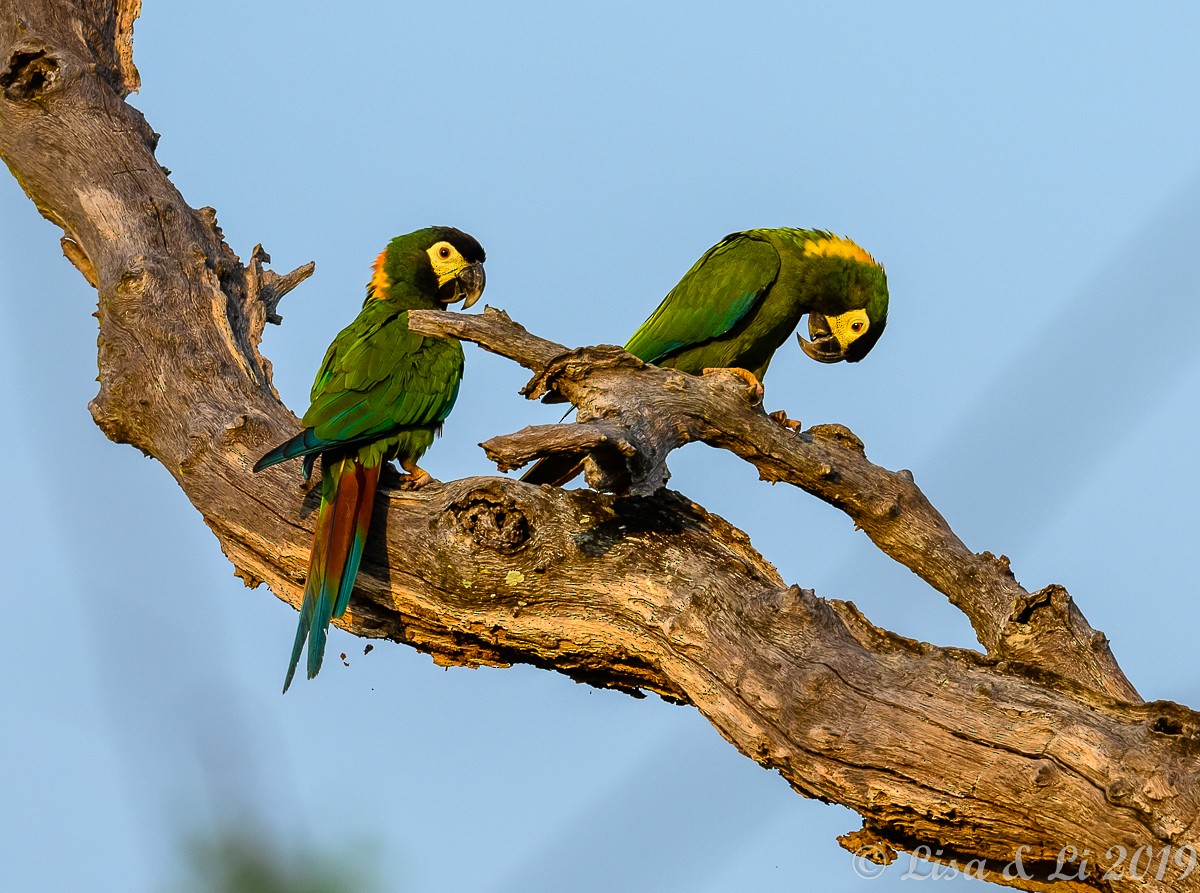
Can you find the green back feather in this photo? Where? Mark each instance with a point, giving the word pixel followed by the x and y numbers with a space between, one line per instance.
pixel 720 289
pixel 379 379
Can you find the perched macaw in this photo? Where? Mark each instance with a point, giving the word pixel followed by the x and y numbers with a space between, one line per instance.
pixel 741 300
pixel 382 394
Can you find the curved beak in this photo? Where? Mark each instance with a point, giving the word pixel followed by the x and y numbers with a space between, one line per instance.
pixel 465 285
pixel 824 347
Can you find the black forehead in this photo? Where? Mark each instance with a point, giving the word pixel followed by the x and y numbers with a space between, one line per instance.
pixel 470 249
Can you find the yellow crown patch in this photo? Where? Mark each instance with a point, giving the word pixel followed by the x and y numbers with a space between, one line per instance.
pixel 836 246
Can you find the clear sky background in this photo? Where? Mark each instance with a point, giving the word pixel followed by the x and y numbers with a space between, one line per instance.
pixel 1030 176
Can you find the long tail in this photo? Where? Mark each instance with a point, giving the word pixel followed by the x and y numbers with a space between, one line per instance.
pixel 347 497
pixel 556 469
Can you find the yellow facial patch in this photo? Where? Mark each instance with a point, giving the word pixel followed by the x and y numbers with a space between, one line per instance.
pixel 446 261
pixel 836 246
pixel 380 282
pixel 849 326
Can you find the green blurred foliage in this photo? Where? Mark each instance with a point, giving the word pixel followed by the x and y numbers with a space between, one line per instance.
pixel 250 862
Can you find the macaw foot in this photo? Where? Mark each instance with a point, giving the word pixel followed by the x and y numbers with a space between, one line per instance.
pixel 416 478
pixel 756 387
pixel 781 417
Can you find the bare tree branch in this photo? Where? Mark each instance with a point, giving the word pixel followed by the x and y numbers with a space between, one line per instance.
pixel 647 415
pixel 1039 743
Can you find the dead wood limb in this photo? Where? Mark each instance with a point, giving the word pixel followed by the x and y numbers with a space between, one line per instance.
pixel 1038 744
pixel 655 411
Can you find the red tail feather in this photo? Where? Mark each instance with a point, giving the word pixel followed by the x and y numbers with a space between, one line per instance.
pixel 347 497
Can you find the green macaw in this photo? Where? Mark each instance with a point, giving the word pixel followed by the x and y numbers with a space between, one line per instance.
pixel 741 300
pixel 382 394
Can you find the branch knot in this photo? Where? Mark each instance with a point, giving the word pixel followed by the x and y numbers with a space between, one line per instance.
pixel 32 72
pixel 491 518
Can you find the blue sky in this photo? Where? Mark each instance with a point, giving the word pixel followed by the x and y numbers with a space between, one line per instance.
pixel 1028 174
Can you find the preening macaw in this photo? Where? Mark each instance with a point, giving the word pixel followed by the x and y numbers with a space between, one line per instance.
pixel 741 300
pixel 382 393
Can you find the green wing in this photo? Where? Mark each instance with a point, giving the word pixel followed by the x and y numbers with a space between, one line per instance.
pixel 718 291
pixel 379 377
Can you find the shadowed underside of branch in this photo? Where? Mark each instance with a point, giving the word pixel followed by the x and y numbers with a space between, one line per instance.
pixel 1035 741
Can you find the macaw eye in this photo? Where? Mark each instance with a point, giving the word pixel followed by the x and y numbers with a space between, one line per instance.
pixel 856 327
pixel 443 252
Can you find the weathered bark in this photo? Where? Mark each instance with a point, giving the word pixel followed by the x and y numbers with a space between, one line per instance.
pixel 1038 742
pixel 632 422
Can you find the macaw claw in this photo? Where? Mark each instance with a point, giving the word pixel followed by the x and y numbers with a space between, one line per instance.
pixel 756 388
pixel 416 478
pixel 781 417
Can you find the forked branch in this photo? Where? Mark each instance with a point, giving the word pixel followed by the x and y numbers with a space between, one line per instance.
pixel 1038 742
pixel 635 415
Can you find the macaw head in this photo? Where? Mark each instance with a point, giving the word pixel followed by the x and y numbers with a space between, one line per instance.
pixel 442 263
pixel 849 299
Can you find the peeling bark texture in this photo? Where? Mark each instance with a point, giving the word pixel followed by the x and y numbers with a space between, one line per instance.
pixel 1034 743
